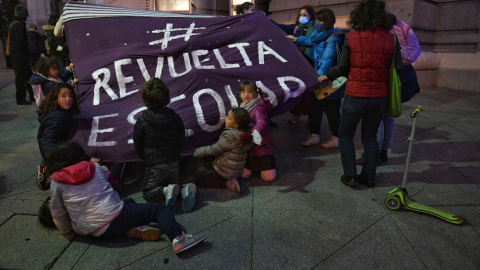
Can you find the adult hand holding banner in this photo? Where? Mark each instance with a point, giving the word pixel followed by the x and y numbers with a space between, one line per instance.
pixel 202 59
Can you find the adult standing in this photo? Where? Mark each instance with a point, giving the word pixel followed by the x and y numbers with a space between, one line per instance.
pixel 245 8
pixel 34 41
pixel 367 88
pixel 327 43
pixel 410 48
pixel 304 26
pixel 20 54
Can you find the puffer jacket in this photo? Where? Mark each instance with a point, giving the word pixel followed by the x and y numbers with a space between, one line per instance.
pixel 231 157
pixel 48 83
pixel 83 200
pixel 54 127
pixel 366 58
pixel 159 136
pixel 325 53
pixel 259 119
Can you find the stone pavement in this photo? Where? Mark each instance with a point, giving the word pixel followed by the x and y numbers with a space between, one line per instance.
pixel 306 219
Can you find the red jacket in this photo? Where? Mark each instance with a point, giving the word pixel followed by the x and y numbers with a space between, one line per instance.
pixel 371 54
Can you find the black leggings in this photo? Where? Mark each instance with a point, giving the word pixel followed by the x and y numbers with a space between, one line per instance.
pixel 331 107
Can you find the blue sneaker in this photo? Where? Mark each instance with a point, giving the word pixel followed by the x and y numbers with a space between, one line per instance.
pixel 171 195
pixel 188 195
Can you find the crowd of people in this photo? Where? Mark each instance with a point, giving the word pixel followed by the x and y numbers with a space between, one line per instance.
pixel 81 190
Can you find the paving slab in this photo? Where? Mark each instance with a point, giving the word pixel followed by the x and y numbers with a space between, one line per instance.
pixel 381 242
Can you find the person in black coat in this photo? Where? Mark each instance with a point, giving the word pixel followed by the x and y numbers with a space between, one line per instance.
pixel 56 122
pixel 34 44
pixel 158 138
pixel 20 54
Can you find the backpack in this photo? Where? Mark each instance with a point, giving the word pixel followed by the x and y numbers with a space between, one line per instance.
pixel 7 49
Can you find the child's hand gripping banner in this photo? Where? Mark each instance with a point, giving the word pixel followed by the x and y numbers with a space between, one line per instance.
pixel 202 59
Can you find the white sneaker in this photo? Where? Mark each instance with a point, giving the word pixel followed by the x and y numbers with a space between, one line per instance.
pixel 332 143
pixel 311 140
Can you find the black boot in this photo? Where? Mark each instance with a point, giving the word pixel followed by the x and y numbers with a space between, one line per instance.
pixel 350 181
pixel 383 156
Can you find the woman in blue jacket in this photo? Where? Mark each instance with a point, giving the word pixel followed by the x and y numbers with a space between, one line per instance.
pixel 326 42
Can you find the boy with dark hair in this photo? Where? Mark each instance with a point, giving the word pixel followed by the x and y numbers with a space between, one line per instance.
pixel 158 138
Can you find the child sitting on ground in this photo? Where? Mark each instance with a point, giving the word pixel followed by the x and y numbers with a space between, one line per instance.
pixel 56 121
pixel 83 202
pixel 230 154
pixel 47 76
pixel 158 138
pixel 260 158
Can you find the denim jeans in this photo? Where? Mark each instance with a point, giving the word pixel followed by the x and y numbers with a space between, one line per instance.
pixel 385 132
pixel 138 214
pixel 370 111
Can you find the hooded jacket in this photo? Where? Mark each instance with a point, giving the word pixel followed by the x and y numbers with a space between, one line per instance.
pixel 48 83
pixel 259 119
pixel 83 200
pixel 325 53
pixel 54 127
pixel 231 157
pixel 158 136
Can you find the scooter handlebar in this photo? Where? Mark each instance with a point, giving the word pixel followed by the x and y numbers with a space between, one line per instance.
pixel 416 111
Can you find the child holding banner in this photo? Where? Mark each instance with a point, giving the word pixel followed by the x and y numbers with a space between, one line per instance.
pixel 47 75
pixel 230 154
pixel 260 158
pixel 158 139
pixel 56 121
pixel 83 202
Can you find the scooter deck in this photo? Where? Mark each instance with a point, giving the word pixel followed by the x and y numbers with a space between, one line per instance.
pixel 411 205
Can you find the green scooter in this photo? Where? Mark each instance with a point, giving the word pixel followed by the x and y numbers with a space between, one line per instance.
pixel 398 197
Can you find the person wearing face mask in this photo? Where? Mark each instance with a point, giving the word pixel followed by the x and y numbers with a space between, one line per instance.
pixel 303 26
pixel 327 43
pixel 245 8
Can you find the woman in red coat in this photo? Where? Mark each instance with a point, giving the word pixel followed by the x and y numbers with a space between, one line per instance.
pixel 365 60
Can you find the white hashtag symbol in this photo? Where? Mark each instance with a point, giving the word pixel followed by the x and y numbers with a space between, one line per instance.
pixel 166 38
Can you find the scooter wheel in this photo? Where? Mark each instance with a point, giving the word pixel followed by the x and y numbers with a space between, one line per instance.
pixel 393 202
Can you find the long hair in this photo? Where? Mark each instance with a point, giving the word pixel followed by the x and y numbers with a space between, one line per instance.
pixel 310 12
pixel 155 94
pixel 327 17
pixel 50 103
pixel 368 15
pixel 240 8
pixel 44 64
pixel 45 215
pixel 64 154
pixel 241 117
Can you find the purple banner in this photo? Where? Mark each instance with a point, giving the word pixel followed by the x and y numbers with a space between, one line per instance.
pixel 201 59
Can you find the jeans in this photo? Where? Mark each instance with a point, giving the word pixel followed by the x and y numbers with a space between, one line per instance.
pixel 370 111
pixel 138 214
pixel 331 107
pixel 385 132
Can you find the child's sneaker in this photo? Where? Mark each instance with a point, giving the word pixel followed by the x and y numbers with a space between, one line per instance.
pixel 311 140
pixel 40 178
pixel 332 143
pixel 246 173
pixel 186 241
pixel 171 195
pixel 188 195
pixel 145 233
pixel 294 119
pixel 233 185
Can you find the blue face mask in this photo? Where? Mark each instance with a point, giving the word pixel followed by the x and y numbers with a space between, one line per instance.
pixel 303 20
pixel 318 26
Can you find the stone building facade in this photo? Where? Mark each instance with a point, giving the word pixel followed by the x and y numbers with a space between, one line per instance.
pixel 448 30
